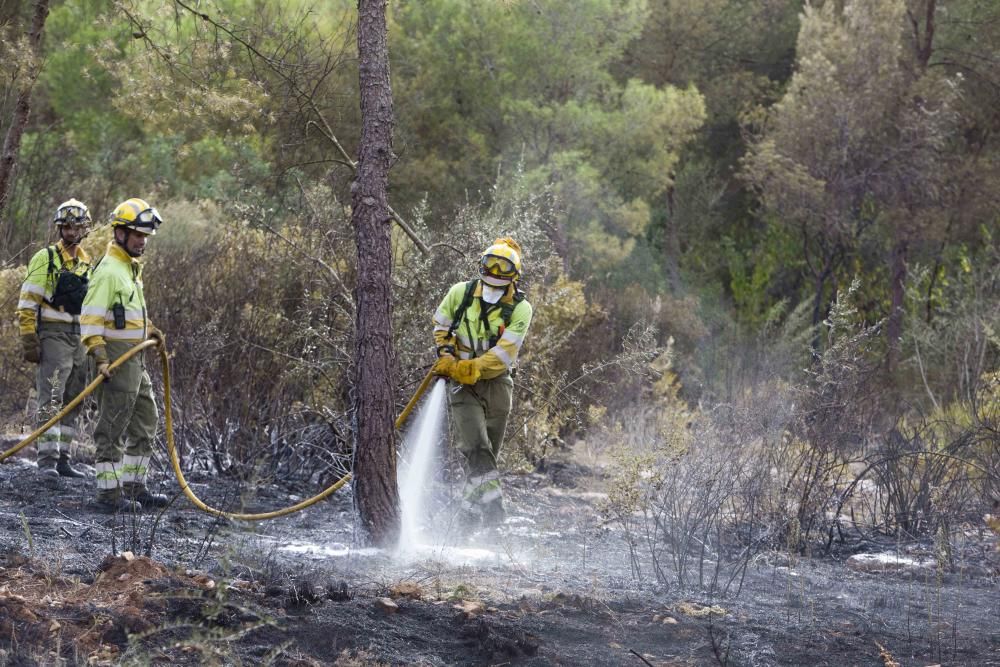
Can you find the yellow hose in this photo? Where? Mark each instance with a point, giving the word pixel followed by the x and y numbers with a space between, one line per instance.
pixel 172 450
pixel 401 419
pixel 87 391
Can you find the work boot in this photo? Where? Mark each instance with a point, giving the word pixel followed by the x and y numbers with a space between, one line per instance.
pixel 141 494
pixel 65 469
pixel 115 502
pixel 47 468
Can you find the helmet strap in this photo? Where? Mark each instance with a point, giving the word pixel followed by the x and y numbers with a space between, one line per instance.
pixel 123 242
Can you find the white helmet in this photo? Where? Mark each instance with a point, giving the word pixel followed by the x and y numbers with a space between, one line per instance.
pixel 71 211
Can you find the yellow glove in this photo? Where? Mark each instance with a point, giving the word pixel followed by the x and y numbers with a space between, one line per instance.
pixel 444 365
pixel 465 371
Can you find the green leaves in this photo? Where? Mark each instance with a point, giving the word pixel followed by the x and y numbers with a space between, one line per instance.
pixel 532 84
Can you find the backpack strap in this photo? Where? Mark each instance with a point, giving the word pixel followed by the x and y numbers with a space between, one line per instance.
pixel 456 321
pixel 507 309
pixel 51 272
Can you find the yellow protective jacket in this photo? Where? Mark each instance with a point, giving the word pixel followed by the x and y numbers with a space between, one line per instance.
pixel 40 284
pixel 473 336
pixel 117 279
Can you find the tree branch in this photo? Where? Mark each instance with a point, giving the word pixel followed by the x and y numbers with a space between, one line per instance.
pixel 310 101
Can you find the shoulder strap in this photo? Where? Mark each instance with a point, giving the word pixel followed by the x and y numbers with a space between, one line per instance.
pixel 507 309
pixel 52 259
pixel 456 320
pixel 51 271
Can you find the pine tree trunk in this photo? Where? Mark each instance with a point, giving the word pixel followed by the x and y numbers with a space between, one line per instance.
pixel 374 447
pixel 19 120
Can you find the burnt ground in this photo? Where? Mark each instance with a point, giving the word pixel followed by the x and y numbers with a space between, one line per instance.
pixel 554 586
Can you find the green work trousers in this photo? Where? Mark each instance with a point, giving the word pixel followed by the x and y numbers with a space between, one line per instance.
pixel 62 374
pixel 479 417
pixel 127 412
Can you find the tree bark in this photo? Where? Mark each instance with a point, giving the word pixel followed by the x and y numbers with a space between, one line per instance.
pixel 375 488
pixel 22 109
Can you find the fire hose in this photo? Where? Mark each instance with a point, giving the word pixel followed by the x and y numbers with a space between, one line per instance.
pixel 172 449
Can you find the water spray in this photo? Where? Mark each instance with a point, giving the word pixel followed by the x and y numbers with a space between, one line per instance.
pixel 419 452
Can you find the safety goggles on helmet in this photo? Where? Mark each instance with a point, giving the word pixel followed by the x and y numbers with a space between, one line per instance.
pixel 497 267
pixel 72 215
pixel 148 219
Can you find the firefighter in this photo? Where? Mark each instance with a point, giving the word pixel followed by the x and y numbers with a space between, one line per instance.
pixel 479 329
pixel 114 319
pixel 49 316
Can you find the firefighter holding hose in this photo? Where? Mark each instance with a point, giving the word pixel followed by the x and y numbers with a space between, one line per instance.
pixel 114 319
pixel 478 330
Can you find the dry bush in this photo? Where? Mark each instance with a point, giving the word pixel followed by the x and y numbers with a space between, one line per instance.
pixel 953 339
pixel 703 489
pixel 705 527
pixel 686 493
pixel 837 408
pixel 953 372
pixel 925 459
pixel 260 343
pixel 687 486
pixel 858 466
pixel 17 377
pixel 986 447
pixel 925 476
pixel 921 480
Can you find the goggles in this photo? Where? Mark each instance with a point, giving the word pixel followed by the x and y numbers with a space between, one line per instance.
pixel 149 219
pixel 497 267
pixel 73 215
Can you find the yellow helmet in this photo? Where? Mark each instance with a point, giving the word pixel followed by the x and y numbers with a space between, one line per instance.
pixel 500 264
pixel 73 212
pixel 136 214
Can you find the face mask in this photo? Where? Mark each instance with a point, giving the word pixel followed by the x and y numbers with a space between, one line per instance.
pixel 493 294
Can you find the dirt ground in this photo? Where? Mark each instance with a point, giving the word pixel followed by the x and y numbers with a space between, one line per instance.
pixel 553 586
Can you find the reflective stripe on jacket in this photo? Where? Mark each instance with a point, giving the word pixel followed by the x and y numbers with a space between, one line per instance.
pixel 473 339
pixel 40 284
pixel 117 279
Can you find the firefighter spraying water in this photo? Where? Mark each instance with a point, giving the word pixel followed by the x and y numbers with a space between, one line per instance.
pixel 479 329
